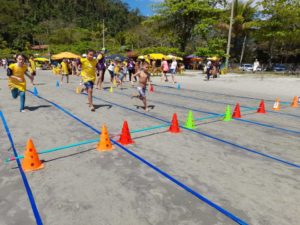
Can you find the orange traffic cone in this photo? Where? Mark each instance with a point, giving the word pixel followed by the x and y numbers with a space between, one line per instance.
pixel 125 138
pixel 237 112
pixel 295 102
pixel 261 108
pixel 174 128
pixel 31 160
pixel 151 88
pixel 276 105
pixel 104 143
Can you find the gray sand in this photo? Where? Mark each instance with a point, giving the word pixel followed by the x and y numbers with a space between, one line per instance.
pixel 83 186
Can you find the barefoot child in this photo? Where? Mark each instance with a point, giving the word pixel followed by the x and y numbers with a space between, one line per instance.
pixel 144 77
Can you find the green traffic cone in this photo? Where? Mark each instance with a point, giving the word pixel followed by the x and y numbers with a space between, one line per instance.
pixel 227 116
pixel 190 124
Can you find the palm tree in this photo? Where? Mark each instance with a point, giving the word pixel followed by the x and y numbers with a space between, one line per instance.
pixel 244 16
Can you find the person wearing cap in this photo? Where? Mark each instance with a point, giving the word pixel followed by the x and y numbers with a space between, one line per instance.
pixel 88 74
pixel 101 67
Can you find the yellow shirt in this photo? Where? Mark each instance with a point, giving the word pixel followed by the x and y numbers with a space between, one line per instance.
pixel 117 68
pixel 17 71
pixel 88 69
pixel 32 67
pixel 64 68
pixel 147 60
pixel 100 56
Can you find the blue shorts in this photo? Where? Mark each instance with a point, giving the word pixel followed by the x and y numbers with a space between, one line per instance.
pixel 121 76
pixel 89 84
pixel 173 71
pixel 112 74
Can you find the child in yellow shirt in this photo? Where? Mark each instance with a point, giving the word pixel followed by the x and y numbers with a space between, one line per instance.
pixel 16 80
pixel 88 74
pixel 64 70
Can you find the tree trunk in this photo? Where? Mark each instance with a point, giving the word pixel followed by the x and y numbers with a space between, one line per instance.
pixel 243 49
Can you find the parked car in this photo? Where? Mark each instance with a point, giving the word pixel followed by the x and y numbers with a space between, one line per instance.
pixel 279 68
pixel 246 67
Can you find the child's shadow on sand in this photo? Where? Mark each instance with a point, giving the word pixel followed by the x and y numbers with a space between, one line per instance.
pixel 33 108
pixel 105 105
pixel 142 107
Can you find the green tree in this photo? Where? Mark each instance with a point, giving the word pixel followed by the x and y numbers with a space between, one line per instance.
pixel 245 15
pixel 181 18
pixel 278 30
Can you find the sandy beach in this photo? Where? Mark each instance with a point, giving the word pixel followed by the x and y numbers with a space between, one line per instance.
pixel 248 167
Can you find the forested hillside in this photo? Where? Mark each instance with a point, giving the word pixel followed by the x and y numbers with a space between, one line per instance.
pixel 62 22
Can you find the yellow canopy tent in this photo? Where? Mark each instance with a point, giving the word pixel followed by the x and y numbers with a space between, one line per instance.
pixel 156 56
pixel 170 57
pixel 41 59
pixel 215 58
pixel 66 55
pixel 153 56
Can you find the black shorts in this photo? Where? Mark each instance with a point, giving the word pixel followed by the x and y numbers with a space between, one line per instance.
pixel 112 74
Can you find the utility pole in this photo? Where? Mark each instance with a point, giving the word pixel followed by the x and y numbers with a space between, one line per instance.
pixel 103 44
pixel 229 35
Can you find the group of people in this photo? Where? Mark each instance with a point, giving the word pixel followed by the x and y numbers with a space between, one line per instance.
pixel 92 72
pixel 90 68
pixel 212 68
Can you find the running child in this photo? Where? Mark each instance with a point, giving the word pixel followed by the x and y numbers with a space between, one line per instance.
pixel 16 80
pixel 110 69
pixel 122 73
pixel 88 74
pixel 101 67
pixel 144 77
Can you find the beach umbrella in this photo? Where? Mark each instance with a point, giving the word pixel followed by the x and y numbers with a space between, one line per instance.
pixel 156 56
pixel 65 55
pixel 114 56
pixel 191 56
pixel 170 57
pixel 131 54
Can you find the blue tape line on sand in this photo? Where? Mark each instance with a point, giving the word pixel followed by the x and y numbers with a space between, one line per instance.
pixel 211 137
pixel 216 93
pixel 216 114
pixel 25 181
pixel 185 187
pixel 226 103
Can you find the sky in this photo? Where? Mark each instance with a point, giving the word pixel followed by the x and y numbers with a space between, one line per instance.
pixel 143 5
